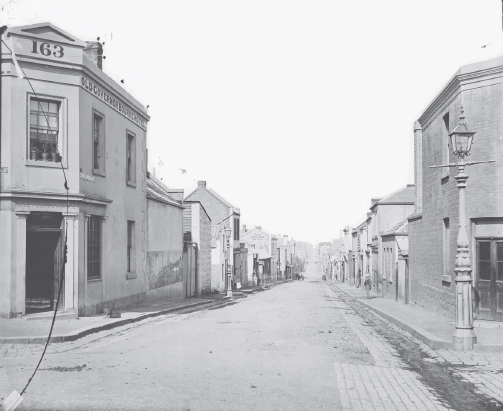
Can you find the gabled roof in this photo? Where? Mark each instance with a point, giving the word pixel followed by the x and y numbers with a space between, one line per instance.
pixel 46 31
pixel 405 195
pixel 200 204
pixel 157 191
pixel 217 196
pixel 256 229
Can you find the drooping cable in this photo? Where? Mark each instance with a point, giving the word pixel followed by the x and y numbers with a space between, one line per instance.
pixel 62 276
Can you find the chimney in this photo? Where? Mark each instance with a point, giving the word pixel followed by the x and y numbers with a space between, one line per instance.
pixel 418 167
pixel 244 228
pixel 94 52
pixel 259 227
pixel 201 184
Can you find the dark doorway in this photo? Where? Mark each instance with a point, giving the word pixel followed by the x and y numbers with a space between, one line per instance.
pixel 42 238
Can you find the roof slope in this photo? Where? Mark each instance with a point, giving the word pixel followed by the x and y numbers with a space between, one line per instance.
pixel 405 195
pixel 156 191
pixel 402 228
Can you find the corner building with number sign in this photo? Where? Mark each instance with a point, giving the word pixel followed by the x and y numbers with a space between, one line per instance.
pixel 61 115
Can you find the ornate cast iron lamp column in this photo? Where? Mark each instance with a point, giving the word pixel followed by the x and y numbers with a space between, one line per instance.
pixel 228 268
pixel 464 336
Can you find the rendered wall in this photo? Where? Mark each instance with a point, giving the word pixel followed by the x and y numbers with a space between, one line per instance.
pixel 164 252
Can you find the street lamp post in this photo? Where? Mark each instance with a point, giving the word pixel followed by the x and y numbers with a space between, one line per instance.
pixel 229 271
pixel 293 262
pixel 464 336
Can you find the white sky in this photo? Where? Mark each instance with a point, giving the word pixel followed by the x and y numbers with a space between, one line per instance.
pixel 298 112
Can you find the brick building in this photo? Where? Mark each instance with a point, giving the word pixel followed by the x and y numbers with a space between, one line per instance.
pixel 478 88
pixel 223 213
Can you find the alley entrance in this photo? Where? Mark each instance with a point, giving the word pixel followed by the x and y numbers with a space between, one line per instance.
pixel 43 234
pixel 489 284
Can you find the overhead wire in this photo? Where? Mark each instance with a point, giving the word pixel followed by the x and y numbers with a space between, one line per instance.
pixel 65 250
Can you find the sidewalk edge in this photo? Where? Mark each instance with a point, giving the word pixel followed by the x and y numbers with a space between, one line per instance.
pixel 421 334
pixel 75 335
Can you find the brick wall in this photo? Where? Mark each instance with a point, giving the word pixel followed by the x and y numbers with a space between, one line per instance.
pixel 214 207
pixel 483 105
pixel 204 255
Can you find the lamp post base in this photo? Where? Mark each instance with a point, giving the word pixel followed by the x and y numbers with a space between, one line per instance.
pixel 229 293
pixel 463 339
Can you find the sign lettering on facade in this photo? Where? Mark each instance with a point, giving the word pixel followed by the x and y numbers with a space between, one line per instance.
pixel 115 103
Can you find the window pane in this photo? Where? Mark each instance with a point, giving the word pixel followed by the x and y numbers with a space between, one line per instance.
pixel 33 104
pixel 33 134
pixel 33 119
pixel 53 122
pixel 53 107
pixel 484 251
pixel 499 247
pixel 42 122
pixel 500 271
pixel 485 270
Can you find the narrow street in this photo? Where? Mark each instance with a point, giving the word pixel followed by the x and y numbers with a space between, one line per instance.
pixel 298 346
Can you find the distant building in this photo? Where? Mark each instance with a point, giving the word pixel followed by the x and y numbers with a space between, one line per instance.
pixel 385 214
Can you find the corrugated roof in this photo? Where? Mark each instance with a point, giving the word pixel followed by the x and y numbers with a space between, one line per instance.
pixel 156 192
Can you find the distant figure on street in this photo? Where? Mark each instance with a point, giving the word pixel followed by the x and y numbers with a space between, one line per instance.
pixel 368 285
pixel 359 278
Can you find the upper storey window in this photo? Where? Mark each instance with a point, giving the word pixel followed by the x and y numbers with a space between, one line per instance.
pixel 46 134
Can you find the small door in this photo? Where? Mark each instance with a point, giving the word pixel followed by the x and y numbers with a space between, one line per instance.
pixel 489 283
pixel 401 282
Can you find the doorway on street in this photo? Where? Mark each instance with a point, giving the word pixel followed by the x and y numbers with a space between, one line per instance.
pixel 489 281
pixel 43 261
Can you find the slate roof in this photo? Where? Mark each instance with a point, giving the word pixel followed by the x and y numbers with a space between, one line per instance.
pixel 405 195
pixel 156 191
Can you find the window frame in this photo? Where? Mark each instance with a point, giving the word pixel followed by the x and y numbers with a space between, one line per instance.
pixel 131 167
pixel 96 222
pixel 100 171
pixel 62 134
pixel 130 250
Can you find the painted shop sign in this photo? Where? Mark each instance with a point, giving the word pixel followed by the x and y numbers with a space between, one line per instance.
pixel 117 104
